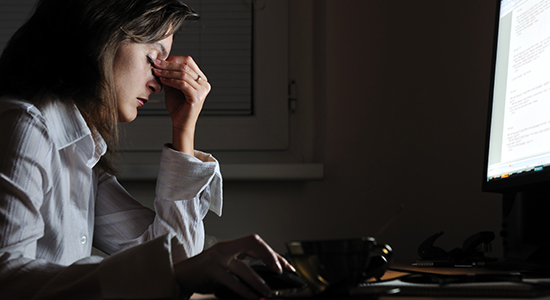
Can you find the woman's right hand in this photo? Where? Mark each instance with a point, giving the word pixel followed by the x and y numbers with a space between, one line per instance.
pixel 223 262
pixel 185 90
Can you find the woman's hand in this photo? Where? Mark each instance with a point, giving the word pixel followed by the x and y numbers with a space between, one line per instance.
pixel 223 261
pixel 186 88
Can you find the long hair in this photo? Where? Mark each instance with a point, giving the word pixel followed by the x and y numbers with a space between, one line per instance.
pixel 65 52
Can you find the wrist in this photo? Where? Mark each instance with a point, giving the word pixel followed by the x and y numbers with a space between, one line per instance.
pixel 183 140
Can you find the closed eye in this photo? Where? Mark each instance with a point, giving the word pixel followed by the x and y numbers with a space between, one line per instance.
pixel 150 61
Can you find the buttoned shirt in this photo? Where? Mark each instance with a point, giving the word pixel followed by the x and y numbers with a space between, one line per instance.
pixel 55 203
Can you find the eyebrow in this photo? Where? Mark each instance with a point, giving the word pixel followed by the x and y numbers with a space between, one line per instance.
pixel 162 50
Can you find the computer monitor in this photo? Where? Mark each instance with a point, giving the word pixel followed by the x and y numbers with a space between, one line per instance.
pixel 517 158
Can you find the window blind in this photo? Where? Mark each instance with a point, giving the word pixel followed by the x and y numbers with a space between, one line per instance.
pixel 220 42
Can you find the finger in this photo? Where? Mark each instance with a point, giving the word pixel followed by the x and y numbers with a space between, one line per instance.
pixel 182 64
pixel 177 76
pixel 249 276
pixel 255 247
pixel 228 275
pixel 192 91
pixel 285 264
pixel 212 266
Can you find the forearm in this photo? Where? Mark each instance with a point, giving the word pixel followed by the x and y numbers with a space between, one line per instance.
pixel 183 140
pixel 25 278
pixel 123 275
pixel 186 88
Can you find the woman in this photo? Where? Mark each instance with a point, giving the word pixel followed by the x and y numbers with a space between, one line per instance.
pixel 68 75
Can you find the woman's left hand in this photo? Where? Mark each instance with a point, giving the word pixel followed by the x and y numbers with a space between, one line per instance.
pixel 186 88
pixel 223 263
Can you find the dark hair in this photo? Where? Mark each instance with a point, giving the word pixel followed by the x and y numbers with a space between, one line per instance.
pixel 65 52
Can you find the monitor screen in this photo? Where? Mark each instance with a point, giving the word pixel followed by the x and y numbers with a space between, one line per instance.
pixel 518 143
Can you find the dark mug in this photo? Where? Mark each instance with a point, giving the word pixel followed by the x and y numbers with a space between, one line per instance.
pixel 338 264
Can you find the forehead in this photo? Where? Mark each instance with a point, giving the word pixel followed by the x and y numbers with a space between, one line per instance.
pixel 164 46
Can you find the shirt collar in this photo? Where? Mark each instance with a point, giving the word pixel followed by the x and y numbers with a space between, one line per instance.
pixel 71 128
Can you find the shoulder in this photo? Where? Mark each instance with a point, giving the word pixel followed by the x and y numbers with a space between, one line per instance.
pixel 20 119
pixel 62 122
pixel 19 115
pixel 25 136
pixel 12 105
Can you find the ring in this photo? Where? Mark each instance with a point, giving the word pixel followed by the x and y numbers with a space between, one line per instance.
pixel 232 259
pixel 198 78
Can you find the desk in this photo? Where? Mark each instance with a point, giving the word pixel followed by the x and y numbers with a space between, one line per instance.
pixel 515 287
pixel 407 266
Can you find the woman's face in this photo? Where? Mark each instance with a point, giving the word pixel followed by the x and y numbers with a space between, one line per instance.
pixel 133 75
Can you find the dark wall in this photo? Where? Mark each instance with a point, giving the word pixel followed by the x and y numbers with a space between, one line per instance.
pixel 398 92
pixel 402 125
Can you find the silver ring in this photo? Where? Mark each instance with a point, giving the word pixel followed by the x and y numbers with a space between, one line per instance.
pixel 232 259
pixel 198 78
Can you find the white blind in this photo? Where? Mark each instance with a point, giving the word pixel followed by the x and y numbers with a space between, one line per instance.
pixel 220 42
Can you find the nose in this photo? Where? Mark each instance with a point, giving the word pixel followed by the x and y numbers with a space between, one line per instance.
pixel 154 85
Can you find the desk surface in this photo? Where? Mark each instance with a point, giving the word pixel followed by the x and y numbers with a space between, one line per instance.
pixel 403 268
pixel 529 282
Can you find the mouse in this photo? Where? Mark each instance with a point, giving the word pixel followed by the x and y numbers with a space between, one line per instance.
pixel 286 280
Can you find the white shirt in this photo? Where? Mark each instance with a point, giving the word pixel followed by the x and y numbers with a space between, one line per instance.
pixel 54 204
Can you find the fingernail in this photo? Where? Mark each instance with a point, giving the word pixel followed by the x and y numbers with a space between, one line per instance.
pixel 158 61
pixel 279 267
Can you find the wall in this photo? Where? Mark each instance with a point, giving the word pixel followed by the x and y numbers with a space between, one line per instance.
pixel 395 94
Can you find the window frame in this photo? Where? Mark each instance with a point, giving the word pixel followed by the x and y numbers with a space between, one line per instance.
pixel 256 147
pixel 266 129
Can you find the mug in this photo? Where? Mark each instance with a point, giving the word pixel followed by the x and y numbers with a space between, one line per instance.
pixel 339 264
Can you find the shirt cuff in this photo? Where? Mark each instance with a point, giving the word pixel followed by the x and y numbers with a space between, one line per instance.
pixel 185 177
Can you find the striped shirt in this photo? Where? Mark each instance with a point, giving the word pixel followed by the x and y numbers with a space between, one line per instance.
pixel 55 203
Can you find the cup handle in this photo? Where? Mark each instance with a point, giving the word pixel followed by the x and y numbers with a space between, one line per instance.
pixel 380 260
